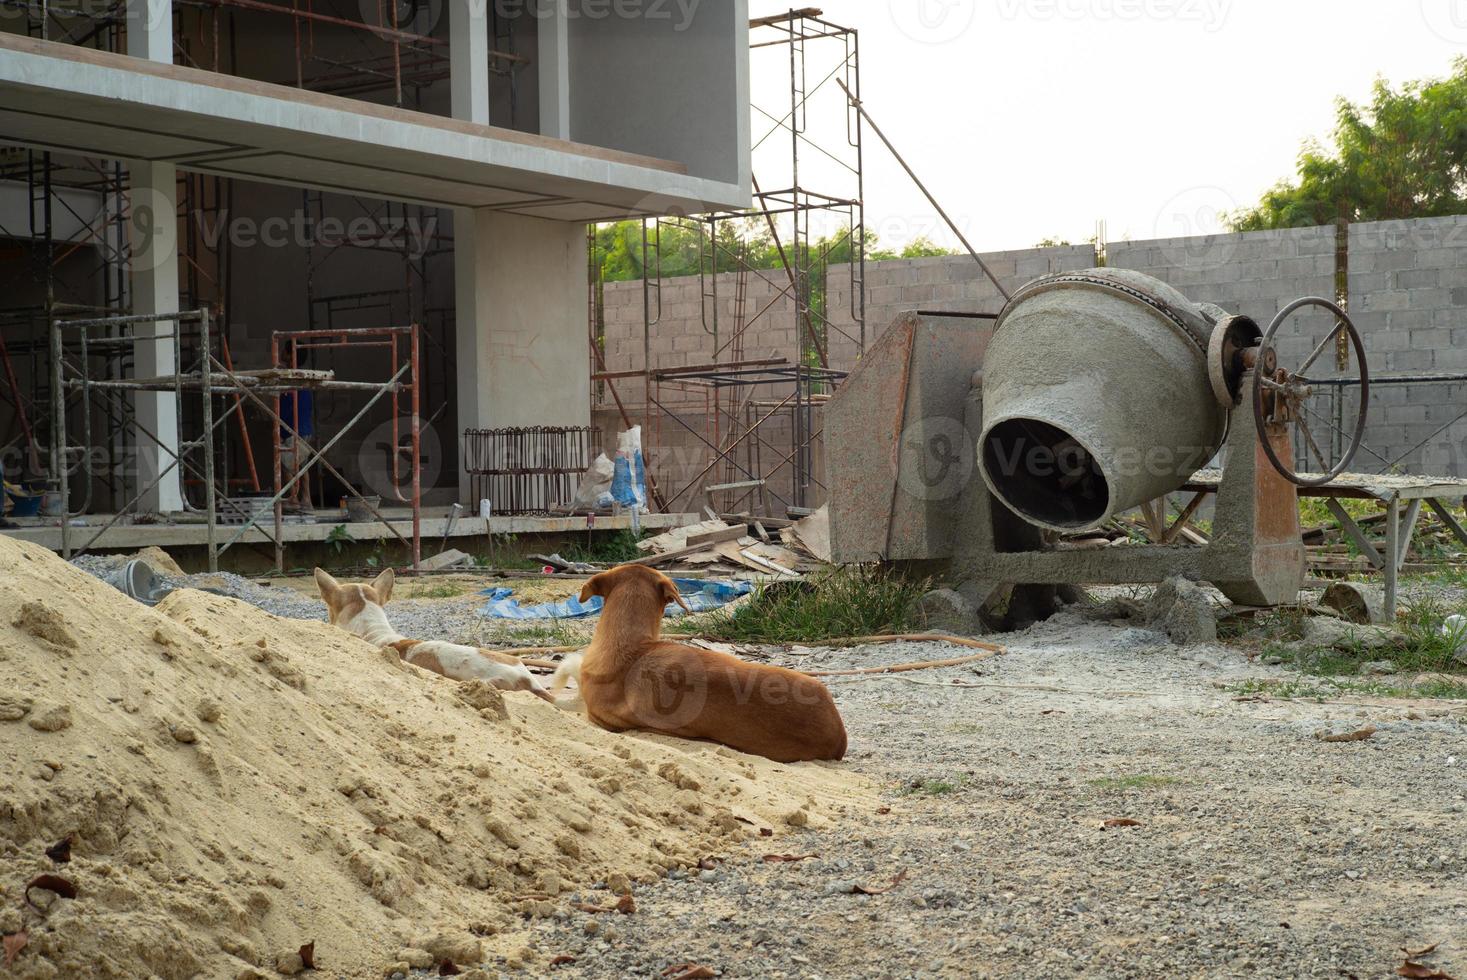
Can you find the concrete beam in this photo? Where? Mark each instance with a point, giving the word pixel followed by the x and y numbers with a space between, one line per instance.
pixel 519 323
pixel 81 100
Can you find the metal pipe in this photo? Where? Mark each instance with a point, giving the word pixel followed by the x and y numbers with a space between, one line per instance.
pixel 856 102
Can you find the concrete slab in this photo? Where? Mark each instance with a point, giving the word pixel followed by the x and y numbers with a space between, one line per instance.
pixel 131 537
pixel 81 100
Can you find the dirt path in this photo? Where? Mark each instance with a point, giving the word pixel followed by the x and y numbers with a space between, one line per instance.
pixel 1260 851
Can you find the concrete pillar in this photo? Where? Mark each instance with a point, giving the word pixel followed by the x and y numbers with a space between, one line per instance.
pixel 150 30
pixel 553 67
pixel 519 323
pixel 468 59
pixel 153 191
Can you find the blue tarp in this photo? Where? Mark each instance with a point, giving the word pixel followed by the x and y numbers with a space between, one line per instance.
pixel 701 595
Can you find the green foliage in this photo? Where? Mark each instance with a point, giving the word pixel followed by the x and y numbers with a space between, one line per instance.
pixel 604 548
pixel 920 247
pixel 338 538
pixel 848 600
pixel 1404 155
pixel 1423 646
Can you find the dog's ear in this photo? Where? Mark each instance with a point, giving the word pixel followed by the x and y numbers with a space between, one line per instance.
pixel 382 585
pixel 671 594
pixel 328 585
pixel 596 585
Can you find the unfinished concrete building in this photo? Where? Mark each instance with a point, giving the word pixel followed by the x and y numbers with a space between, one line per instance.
pixel 324 169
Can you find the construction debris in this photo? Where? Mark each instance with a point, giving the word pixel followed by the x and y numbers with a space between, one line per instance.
pixel 725 547
pixel 1355 602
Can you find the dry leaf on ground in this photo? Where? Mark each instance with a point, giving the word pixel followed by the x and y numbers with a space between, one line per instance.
pixel 1358 736
pixel 14 943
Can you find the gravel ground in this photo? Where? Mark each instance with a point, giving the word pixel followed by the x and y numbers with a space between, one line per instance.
pixel 1260 850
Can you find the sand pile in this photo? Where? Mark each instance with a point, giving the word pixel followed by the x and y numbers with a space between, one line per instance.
pixel 237 785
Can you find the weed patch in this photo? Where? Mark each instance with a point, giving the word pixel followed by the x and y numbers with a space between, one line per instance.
pixel 850 600
pixel 1138 781
pixel 932 787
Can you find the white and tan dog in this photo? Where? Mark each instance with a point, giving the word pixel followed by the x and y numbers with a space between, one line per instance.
pixel 358 610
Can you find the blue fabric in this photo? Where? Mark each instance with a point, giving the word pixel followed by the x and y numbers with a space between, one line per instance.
pixel 305 398
pixel 701 595
pixel 629 481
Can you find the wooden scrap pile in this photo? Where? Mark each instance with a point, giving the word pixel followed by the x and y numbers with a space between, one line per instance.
pixel 739 544
pixel 1332 553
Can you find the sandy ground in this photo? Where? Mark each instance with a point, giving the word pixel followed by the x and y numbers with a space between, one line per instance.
pixel 1260 851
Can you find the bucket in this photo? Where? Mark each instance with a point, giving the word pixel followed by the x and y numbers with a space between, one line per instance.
pixel 358 509
pixel 1096 397
pixel 137 580
pixel 25 505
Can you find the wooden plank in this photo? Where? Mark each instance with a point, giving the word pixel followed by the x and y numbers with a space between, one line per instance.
pixel 1408 530
pixel 1451 522
pixel 786 17
pixel 1353 532
pixel 714 537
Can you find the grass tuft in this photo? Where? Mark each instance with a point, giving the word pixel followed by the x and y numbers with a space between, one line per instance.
pixel 1325 688
pixel 440 590
pixel 848 600
pixel 932 787
pixel 1138 781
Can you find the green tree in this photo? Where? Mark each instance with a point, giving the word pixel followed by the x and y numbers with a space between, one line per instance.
pixel 1403 155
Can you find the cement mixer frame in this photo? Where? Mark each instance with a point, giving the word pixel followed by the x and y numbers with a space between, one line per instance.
pixel 908 441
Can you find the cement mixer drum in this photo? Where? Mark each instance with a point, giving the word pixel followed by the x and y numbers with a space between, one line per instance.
pixel 1097 397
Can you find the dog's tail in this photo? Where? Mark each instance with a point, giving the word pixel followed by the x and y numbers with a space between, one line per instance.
pixel 569 669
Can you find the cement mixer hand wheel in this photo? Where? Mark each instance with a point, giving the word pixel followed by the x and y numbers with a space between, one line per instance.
pixel 1279 395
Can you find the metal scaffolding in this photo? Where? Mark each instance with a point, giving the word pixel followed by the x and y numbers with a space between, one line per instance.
pixel 199 378
pixel 742 393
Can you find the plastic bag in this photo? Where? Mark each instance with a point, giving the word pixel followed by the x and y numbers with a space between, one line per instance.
pixel 629 484
pixel 595 486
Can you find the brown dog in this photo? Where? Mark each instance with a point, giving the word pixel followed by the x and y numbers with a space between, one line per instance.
pixel 631 678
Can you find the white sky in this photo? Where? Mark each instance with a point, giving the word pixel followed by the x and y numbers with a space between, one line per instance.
pixel 1037 118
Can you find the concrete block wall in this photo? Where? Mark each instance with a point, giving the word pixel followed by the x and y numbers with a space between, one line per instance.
pixel 948 282
pixel 1255 274
pixel 1408 297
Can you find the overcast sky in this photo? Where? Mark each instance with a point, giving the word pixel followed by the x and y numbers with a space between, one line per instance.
pixel 1037 118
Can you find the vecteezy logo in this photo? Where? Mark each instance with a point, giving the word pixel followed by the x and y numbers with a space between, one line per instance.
pixel 152 229
pixel 1194 225
pixel 407 16
pixel 384 459
pixel 935 459
pixel 932 21
pixel 1447 19
pixel 679 689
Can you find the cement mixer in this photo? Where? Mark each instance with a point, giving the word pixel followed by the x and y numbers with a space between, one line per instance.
pixel 976 444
